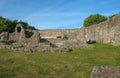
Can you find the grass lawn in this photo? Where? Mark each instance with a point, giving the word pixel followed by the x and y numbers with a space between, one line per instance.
pixel 77 64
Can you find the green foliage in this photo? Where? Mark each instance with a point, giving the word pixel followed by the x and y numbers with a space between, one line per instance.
pixel 76 64
pixel 94 19
pixel 9 25
pixel 25 24
pixel 32 28
pixel 112 16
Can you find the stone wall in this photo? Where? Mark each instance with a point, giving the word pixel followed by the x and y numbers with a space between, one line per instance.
pixel 105 32
pixel 23 36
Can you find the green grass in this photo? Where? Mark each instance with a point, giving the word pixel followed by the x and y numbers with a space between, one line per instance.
pixel 77 64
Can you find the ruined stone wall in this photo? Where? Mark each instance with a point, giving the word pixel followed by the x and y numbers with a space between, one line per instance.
pixel 105 32
pixel 25 37
pixel 55 33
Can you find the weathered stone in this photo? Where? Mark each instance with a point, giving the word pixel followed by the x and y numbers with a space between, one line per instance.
pixel 105 32
pixel 4 36
pixel 106 72
pixel 51 40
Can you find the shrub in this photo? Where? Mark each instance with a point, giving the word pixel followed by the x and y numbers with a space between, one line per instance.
pixel 112 16
pixel 94 19
pixel 32 28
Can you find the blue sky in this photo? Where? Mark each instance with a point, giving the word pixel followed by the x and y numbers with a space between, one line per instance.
pixel 56 14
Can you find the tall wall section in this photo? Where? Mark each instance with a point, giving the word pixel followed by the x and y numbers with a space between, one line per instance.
pixel 105 32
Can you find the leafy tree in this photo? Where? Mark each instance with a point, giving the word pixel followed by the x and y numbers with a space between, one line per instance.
pixel 5 24
pixel 9 26
pixel 94 19
pixel 25 24
pixel 13 25
pixel 32 28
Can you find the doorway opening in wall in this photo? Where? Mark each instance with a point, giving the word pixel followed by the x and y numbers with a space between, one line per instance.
pixel 18 29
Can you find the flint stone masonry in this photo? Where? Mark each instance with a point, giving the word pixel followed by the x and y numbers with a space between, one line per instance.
pixel 105 72
pixel 4 36
pixel 105 32
pixel 20 35
pixel 49 40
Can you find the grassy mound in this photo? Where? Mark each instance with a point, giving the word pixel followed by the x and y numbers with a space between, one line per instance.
pixel 77 64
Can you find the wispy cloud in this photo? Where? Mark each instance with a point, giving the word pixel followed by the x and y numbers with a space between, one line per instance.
pixel 66 14
pixel 45 11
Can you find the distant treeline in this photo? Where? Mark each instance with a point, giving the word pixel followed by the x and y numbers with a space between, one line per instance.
pixel 9 25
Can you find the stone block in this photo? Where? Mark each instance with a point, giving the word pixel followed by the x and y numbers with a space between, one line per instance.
pixel 105 72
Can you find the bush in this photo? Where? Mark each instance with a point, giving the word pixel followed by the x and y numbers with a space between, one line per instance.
pixel 94 19
pixel 32 28
pixel 112 16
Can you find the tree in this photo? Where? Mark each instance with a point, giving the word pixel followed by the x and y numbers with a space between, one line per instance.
pixel 25 24
pixel 32 28
pixel 94 19
pixel 9 26
pixel 5 24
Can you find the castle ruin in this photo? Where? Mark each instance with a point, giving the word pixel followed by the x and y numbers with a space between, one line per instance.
pixel 51 40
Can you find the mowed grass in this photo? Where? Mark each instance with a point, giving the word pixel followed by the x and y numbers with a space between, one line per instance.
pixel 77 64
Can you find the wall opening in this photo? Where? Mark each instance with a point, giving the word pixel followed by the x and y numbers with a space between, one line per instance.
pixel 18 29
pixel 29 34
